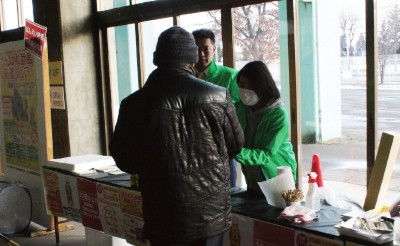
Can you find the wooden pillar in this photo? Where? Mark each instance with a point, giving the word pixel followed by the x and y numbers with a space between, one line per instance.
pixel 371 58
pixel 295 109
pixel 227 31
pixel 47 13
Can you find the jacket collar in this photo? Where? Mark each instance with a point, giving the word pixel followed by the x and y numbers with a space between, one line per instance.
pixel 177 68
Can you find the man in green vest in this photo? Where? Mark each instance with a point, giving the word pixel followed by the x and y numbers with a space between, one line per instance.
pixel 208 70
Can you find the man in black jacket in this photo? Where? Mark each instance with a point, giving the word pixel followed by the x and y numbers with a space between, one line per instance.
pixel 178 134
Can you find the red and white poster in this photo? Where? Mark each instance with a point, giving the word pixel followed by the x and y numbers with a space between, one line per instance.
pixel 35 35
pixel 265 234
pixel 241 231
pixel 131 206
pixel 52 193
pixel 88 201
pixel 307 239
pixel 131 202
pixel 110 210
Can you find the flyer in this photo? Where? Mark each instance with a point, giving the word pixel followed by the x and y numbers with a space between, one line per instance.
pixel 110 210
pixel 88 202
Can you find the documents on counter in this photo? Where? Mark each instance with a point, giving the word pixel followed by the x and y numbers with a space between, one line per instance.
pixel 85 164
pixel 373 230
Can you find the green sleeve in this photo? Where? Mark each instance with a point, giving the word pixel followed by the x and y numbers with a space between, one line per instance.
pixel 272 133
pixel 225 77
pixel 233 89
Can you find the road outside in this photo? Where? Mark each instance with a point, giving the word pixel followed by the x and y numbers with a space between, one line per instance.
pixel 344 160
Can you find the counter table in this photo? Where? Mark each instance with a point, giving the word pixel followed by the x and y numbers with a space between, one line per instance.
pixel 106 203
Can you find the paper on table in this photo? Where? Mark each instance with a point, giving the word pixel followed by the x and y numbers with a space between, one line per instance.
pixel 82 163
pixel 272 188
pixel 283 169
pixel 349 228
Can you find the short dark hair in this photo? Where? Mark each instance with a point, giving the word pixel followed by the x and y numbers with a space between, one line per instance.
pixel 204 33
pixel 261 79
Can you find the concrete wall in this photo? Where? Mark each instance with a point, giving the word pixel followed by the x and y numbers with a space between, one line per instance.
pixel 78 32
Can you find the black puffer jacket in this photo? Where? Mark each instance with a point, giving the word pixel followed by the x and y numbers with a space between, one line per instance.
pixel 178 133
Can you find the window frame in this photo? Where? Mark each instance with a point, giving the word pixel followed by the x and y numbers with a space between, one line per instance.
pixel 137 13
pixel 20 17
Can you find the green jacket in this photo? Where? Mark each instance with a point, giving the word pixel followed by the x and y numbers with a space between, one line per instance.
pixel 225 77
pixel 271 145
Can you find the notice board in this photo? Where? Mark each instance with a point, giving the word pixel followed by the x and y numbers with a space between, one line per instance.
pixel 25 121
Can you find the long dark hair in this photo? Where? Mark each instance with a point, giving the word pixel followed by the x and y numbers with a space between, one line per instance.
pixel 260 77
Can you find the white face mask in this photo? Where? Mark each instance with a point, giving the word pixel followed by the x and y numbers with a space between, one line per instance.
pixel 248 97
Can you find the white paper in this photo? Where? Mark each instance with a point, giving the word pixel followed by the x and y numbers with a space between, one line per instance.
pixel 81 163
pixel 283 169
pixel 273 188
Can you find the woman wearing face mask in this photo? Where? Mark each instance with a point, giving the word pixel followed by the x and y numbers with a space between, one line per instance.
pixel 265 124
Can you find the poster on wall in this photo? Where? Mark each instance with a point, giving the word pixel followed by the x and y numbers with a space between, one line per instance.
pixel 55 73
pixel 20 106
pixel 57 100
pixel 35 36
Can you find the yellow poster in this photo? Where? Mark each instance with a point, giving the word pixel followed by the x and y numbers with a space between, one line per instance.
pixel 18 89
pixel 55 73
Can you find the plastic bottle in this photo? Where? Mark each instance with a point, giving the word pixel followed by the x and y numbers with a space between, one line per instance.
pixel 396 230
pixel 312 197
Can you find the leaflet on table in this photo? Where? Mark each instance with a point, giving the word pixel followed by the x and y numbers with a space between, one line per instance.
pixel 110 211
pixel 52 193
pixel 131 206
pixel 356 227
pixel 249 231
pixel 70 197
pixel 302 238
pixel 241 231
pixel 88 202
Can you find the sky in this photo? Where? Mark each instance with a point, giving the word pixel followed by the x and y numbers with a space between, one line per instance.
pixel 358 7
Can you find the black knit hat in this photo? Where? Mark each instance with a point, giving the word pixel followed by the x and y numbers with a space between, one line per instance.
pixel 175 46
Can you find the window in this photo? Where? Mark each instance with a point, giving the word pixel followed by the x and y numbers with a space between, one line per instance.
pixel 152 29
pixel 209 20
pixel 122 64
pixel 333 104
pixel 331 60
pixel 14 12
pixel 111 4
pixel 388 93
